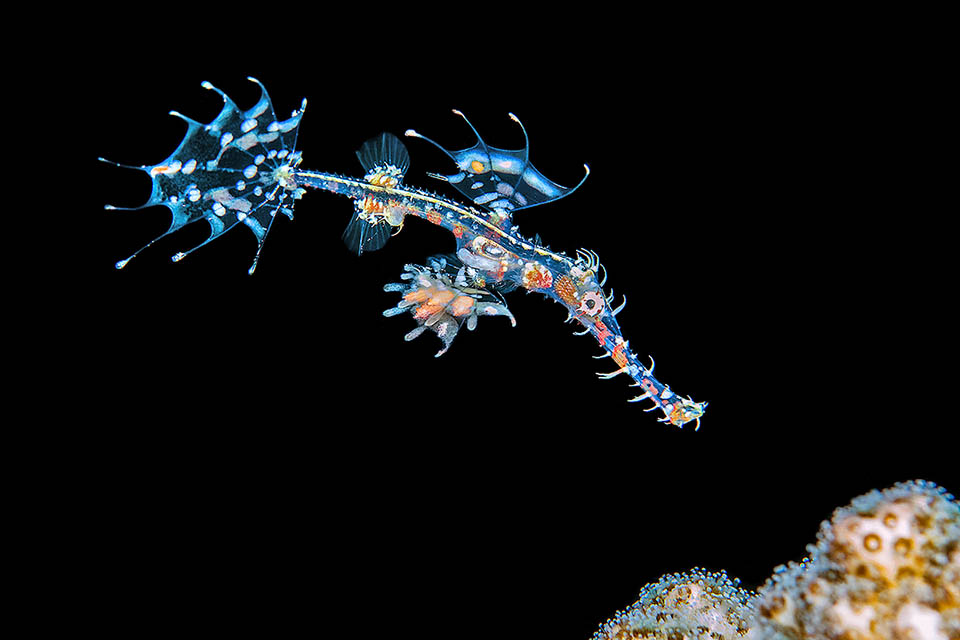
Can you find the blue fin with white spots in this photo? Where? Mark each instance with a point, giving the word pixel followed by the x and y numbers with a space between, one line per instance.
pixel 501 180
pixel 236 169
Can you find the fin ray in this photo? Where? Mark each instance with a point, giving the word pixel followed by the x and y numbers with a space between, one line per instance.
pixel 384 151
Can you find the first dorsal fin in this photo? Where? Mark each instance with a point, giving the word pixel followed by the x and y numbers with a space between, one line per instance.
pixel 385 161
pixel 384 158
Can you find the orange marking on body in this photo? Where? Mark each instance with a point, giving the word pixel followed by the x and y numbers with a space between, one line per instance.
pixel 417 295
pixel 477 166
pixel 618 356
pixel 566 290
pixel 384 180
pixel 424 311
pixel 434 217
pixel 676 415
pixel 372 205
pixel 441 298
pixel 648 386
pixel 536 276
pixel 458 230
pixel 602 332
pixel 461 305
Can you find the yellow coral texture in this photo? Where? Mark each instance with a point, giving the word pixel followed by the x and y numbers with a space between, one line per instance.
pixel 886 566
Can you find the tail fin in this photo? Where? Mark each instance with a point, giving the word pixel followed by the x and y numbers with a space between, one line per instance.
pixel 237 168
pixel 385 161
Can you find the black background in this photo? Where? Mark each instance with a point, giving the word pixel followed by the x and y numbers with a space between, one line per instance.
pixel 267 451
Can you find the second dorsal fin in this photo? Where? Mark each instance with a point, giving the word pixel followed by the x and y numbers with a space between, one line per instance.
pixel 500 180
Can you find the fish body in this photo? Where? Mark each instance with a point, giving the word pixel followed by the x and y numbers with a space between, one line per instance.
pixel 243 168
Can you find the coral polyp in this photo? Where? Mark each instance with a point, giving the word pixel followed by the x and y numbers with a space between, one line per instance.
pixel 885 566
pixel 696 604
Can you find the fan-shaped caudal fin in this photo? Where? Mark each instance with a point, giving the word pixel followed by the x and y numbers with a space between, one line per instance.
pixel 442 299
pixel 237 168
pixel 500 180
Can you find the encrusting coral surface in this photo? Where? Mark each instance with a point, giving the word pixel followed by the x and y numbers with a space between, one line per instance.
pixel 887 566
